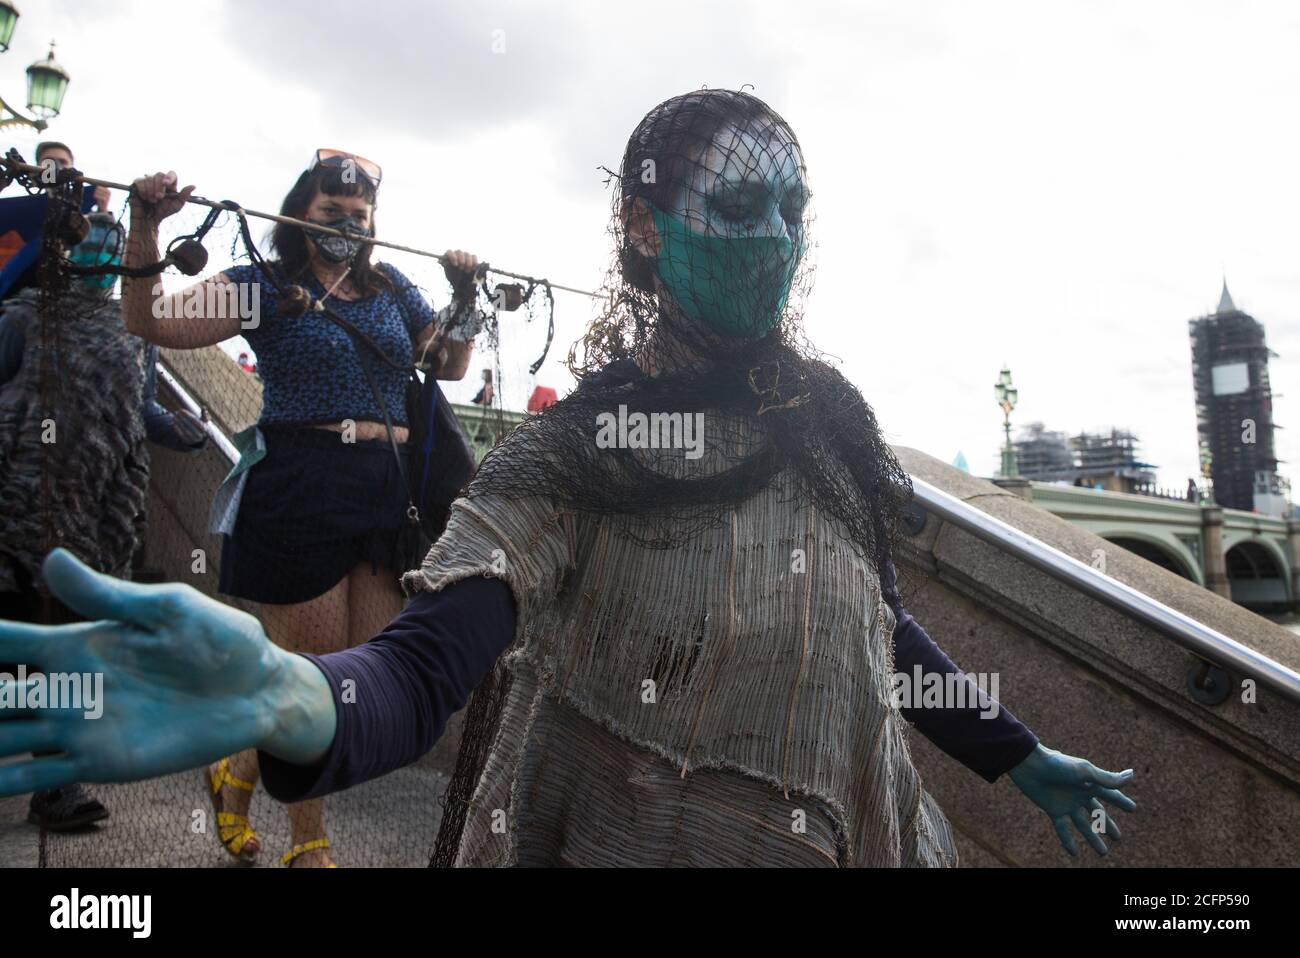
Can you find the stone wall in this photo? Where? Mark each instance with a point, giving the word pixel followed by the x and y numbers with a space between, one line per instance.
pixel 1215 785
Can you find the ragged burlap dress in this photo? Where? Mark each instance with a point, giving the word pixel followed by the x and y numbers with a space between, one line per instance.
pixel 719 702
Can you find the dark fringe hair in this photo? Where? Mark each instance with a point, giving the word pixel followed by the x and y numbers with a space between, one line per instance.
pixel 289 244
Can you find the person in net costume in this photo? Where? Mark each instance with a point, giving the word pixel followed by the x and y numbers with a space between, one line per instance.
pixel 77 402
pixel 685 562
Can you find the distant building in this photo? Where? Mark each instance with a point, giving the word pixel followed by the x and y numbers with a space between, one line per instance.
pixel 484 427
pixel 1107 460
pixel 1111 461
pixel 1043 455
pixel 1234 409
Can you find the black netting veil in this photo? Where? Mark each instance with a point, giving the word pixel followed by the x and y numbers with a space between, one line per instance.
pixel 710 223
pixel 711 270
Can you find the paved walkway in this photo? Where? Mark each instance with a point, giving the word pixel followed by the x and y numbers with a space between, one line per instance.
pixel 388 822
pixel 17 838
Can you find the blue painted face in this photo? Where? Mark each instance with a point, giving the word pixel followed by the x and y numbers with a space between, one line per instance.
pixel 102 245
pixel 731 243
pixel 746 186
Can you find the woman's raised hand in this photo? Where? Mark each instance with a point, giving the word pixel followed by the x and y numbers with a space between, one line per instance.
pixel 459 267
pixel 185 680
pixel 155 196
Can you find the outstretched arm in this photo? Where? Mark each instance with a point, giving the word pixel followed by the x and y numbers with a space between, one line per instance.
pixel 394 695
pixel 978 732
pixel 186 680
pixel 444 341
pixel 989 740
pixel 181 680
pixel 177 320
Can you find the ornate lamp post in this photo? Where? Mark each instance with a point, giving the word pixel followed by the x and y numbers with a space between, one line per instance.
pixel 8 20
pixel 1006 395
pixel 47 82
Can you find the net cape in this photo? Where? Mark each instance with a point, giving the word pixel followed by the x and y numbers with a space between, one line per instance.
pixel 698 704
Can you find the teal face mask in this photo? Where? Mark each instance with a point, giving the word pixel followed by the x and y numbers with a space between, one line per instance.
pixel 735 286
pixel 99 248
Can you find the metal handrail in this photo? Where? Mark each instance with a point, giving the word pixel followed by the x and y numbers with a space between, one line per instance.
pixel 1194 636
pixel 218 437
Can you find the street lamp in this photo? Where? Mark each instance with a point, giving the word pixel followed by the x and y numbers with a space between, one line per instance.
pixel 1006 395
pixel 1207 474
pixel 8 20
pixel 47 82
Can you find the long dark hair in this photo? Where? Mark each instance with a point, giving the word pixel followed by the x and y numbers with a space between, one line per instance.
pixel 289 244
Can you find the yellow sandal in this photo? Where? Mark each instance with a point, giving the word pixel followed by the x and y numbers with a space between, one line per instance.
pixel 290 856
pixel 236 836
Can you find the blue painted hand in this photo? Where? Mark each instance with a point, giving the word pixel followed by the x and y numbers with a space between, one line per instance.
pixel 1070 790
pixel 186 680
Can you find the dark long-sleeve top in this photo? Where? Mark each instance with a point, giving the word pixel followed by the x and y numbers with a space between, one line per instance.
pixel 394 695
pixel 982 734
pixel 160 423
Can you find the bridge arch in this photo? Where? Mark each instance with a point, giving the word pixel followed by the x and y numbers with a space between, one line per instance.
pixel 1166 553
pixel 1258 575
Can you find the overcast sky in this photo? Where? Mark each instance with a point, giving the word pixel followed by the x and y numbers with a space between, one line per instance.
pixel 1055 185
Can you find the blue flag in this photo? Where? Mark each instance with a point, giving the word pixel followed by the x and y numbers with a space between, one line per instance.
pixel 22 220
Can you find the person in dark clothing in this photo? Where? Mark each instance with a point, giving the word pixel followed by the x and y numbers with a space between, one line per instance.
pixel 61 156
pixel 484 396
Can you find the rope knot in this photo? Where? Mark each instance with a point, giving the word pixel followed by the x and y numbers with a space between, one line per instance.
pixel 765 383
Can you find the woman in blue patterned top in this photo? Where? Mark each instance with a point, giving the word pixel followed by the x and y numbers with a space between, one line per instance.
pixel 319 533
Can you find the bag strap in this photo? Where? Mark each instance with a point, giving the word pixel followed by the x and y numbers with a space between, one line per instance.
pixel 364 338
pixel 358 336
pixel 412 511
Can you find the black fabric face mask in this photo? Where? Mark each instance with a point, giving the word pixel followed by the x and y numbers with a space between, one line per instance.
pixel 340 249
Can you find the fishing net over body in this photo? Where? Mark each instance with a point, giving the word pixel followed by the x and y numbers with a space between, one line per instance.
pixel 635 562
pixel 74 465
pixel 674 700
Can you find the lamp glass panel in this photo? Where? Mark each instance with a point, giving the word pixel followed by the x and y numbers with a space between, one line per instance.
pixel 45 90
pixel 8 20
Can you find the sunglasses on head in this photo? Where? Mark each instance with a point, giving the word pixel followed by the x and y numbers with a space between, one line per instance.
pixel 341 158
